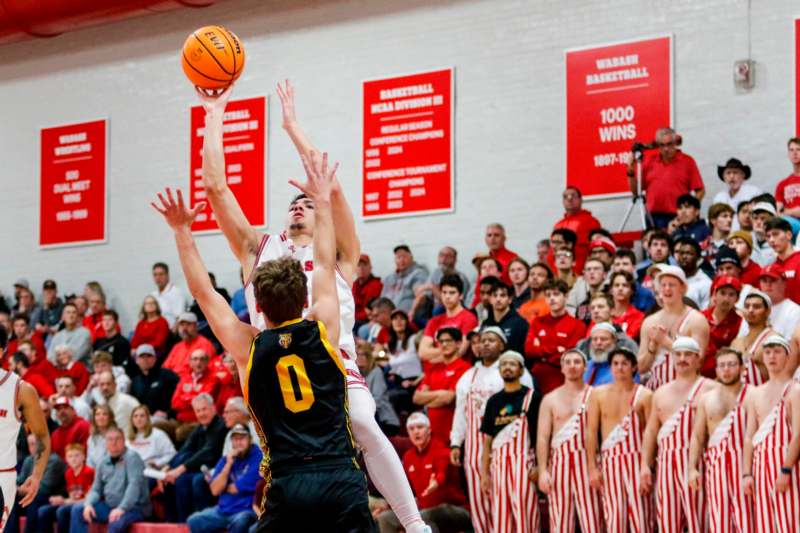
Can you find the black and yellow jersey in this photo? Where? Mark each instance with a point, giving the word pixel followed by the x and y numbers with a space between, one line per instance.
pixel 296 391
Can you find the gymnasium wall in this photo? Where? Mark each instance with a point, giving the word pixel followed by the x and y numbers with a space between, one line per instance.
pixel 509 139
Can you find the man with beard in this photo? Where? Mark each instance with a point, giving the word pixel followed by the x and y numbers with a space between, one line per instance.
pixel 617 414
pixel 538 275
pixel 562 429
pixel 472 392
pixel 507 460
pixel 719 431
pixel 603 339
pixel 234 481
pixel 660 329
pixel 550 336
pixel 770 473
pixel 757 308
pixel 722 318
pixel 669 432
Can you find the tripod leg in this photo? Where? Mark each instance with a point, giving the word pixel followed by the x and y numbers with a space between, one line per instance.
pixel 628 214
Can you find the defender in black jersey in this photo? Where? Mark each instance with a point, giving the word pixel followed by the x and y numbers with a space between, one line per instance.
pixel 293 381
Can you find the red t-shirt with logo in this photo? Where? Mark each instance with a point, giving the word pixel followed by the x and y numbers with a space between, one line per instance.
pixel 433 461
pixel 791 269
pixel 443 376
pixel 81 483
pixel 665 182
pixel 464 320
pixel 788 191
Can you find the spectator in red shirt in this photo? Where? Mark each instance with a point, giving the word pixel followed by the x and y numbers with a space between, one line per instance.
pixel 21 331
pixel 550 336
pixel 437 391
pixel 97 305
pixel 152 328
pixel 624 314
pixel 742 244
pixel 577 219
pixel 20 364
pixel 72 429
pixel 66 366
pixel 366 287
pixel 455 315
pixel 228 377
pixel 79 478
pixel 666 175
pixel 723 320
pixel 787 193
pixel 487 267
pixel 779 236
pixel 434 480
pixel 496 242
pixel 198 380
pixel 39 363
pixel 191 340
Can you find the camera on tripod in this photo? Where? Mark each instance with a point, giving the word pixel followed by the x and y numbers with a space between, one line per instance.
pixel 641 147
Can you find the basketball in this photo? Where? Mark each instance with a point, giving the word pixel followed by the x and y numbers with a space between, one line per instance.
pixel 213 57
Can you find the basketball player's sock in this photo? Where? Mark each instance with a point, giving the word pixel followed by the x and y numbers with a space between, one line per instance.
pixel 386 471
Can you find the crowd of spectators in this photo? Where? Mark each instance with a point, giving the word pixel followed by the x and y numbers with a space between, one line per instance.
pixel 151 423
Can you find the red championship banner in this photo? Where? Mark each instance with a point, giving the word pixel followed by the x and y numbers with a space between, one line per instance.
pixel 408 145
pixel 72 207
pixel 797 76
pixel 244 142
pixel 616 94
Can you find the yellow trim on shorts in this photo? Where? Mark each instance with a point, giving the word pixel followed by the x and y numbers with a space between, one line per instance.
pixel 323 335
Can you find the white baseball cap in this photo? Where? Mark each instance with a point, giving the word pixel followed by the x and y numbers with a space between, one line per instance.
pixel 685 344
pixel 672 270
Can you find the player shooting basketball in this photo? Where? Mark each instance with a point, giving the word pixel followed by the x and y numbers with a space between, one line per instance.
pixel 253 248
pixel 298 398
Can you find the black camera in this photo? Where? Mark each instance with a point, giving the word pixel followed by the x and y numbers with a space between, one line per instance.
pixel 641 147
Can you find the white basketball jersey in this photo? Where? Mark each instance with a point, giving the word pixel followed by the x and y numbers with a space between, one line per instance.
pixel 277 246
pixel 9 421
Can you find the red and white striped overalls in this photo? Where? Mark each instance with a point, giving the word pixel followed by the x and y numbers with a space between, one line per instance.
pixel 752 374
pixel 775 511
pixel 677 505
pixel 569 478
pixel 514 505
pixel 663 369
pixel 730 510
pixel 623 504
pixel 479 503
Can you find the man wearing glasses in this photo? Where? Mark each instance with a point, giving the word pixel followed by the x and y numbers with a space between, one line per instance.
pixel 666 175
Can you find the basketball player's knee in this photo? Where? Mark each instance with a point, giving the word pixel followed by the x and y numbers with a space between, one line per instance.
pixel 365 427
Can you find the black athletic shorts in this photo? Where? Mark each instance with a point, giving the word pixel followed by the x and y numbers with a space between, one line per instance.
pixel 328 498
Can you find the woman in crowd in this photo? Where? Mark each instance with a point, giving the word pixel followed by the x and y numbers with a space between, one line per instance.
pixel 152 328
pixel 376 383
pixel 152 444
pixel 102 419
pixel 624 314
pixel 518 270
pixel 405 368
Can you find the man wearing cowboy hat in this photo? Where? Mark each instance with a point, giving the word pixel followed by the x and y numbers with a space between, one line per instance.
pixel 734 173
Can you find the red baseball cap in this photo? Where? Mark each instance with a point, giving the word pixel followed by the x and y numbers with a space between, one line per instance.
pixel 726 281
pixel 62 401
pixel 604 243
pixel 773 271
pixel 364 258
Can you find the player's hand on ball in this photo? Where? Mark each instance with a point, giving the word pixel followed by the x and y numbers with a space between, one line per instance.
pixel 214 100
pixel 175 212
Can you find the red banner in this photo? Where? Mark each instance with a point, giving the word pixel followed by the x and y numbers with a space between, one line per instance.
pixel 243 139
pixel 616 94
pixel 72 207
pixel 797 76
pixel 408 145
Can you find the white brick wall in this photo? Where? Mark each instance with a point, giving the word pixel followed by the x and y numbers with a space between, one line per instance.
pixel 508 56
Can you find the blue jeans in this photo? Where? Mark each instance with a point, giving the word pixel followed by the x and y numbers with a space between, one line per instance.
pixel 55 513
pixel 78 525
pixel 211 520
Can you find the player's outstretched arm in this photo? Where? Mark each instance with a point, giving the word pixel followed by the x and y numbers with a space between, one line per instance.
pixel 318 187
pixel 31 411
pixel 347 242
pixel 234 335
pixel 242 238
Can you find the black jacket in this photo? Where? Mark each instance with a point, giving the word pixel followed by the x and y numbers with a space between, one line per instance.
pixel 155 390
pixel 204 445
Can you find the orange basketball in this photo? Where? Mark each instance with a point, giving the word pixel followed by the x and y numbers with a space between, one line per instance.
pixel 213 57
